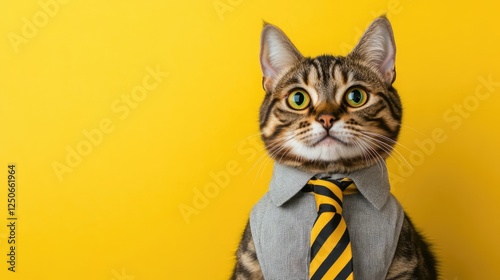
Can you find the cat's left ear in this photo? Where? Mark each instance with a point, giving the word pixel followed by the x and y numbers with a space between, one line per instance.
pixel 377 47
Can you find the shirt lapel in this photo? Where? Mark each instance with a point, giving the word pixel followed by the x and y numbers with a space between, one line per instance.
pixel 372 183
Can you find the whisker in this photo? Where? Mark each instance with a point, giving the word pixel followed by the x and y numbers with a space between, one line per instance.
pixel 372 153
pixel 265 149
pixel 385 138
pixel 274 149
pixel 414 129
pixel 387 148
pixel 366 157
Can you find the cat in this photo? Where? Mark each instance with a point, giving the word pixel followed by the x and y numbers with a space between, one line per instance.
pixel 333 114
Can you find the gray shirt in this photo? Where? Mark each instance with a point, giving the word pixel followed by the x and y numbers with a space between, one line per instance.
pixel 282 220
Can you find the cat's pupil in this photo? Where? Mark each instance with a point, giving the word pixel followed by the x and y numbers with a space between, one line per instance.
pixel 298 98
pixel 355 96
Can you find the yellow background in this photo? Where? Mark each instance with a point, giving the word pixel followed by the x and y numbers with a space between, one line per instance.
pixel 166 189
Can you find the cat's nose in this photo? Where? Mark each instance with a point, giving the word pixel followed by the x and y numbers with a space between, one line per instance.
pixel 326 120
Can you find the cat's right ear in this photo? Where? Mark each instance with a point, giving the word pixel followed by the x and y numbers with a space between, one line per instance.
pixel 277 55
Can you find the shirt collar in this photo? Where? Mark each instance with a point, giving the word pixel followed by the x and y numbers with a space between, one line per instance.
pixel 372 183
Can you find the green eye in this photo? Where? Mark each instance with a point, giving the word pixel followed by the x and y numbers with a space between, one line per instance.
pixel 298 100
pixel 356 97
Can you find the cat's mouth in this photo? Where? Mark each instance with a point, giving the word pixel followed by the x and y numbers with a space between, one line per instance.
pixel 328 140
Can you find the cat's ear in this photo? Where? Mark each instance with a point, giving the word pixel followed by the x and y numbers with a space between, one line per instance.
pixel 277 54
pixel 378 49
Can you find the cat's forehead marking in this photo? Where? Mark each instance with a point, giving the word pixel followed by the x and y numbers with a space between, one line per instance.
pixel 327 79
pixel 310 85
pixel 322 77
pixel 344 86
pixel 313 94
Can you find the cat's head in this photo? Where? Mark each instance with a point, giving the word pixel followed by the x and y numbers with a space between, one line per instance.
pixel 330 113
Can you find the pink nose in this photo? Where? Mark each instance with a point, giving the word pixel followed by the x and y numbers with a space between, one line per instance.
pixel 326 120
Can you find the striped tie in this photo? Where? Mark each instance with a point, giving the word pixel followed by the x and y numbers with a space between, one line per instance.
pixel 331 254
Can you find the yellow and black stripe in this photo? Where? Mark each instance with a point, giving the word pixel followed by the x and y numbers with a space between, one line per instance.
pixel 331 253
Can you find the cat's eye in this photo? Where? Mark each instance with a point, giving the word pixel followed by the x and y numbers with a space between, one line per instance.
pixel 298 99
pixel 356 97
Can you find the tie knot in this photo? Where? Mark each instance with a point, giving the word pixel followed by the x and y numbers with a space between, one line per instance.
pixel 328 193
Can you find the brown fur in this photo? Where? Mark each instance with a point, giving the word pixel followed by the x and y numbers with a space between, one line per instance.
pixel 372 129
pixel 247 267
pixel 331 135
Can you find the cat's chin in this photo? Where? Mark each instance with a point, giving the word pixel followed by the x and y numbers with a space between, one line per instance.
pixel 328 149
pixel 327 142
pixel 328 156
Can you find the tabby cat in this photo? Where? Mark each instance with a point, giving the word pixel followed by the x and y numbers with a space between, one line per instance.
pixel 334 114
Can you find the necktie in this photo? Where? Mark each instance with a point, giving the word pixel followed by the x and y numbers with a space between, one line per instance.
pixel 331 254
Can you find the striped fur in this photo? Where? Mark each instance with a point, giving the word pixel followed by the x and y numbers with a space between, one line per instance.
pixel 360 137
pixel 247 266
pixel 413 258
pixel 363 136
pixel 331 135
